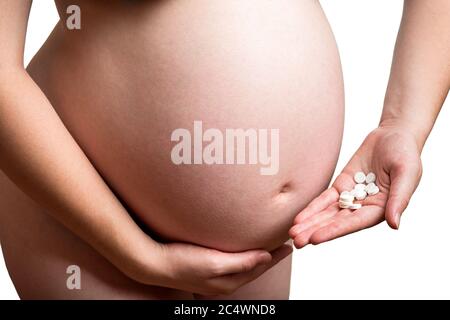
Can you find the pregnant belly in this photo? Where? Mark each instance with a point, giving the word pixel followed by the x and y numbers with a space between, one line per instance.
pixel 153 99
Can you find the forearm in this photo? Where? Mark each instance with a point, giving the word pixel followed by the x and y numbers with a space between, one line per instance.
pixel 420 73
pixel 40 156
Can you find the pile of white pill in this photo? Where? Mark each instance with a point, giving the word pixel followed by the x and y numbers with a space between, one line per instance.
pixel 365 185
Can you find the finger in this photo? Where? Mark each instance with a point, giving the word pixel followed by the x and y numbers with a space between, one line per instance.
pixel 229 263
pixel 366 217
pixel 324 215
pixel 344 181
pixel 303 238
pixel 323 201
pixel 404 181
pixel 237 280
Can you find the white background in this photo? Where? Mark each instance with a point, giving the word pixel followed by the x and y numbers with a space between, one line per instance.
pixel 377 263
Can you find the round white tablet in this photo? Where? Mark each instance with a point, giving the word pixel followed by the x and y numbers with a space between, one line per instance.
pixel 373 191
pixel 371 177
pixel 346 203
pixel 360 194
pixel 344 206
pixel 369 187
pixel 355 206
pixel 360 186
pixel 360 177
pixel 346 198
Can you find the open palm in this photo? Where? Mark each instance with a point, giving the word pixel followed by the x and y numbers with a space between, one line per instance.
pixel 393 155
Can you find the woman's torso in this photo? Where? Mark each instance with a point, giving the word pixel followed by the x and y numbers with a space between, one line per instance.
pixel 138 70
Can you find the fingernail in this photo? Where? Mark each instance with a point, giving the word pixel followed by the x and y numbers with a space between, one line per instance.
pixel 397 220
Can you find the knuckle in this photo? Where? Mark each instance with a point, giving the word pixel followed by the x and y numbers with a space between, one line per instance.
pixel 404 202
pixel 420 169
pixel 298 219
pixel 247 265
pixel 294 231
pixel 415 166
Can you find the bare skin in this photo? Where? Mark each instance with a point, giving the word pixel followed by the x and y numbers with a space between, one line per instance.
pixel 84 142
pixel 418 87
pixel 31 162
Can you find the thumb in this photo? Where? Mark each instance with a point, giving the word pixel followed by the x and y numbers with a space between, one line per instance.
pixel 243 261
pixel 404 178
pixel 277 255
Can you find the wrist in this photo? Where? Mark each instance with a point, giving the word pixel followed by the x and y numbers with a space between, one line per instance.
pixel 143 260
pixel 417 129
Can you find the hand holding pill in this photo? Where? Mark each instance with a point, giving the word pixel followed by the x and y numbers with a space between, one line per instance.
pixel 374 186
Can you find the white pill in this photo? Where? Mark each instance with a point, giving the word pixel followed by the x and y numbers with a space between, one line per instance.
pixel 344 206
pixel 353 192
pixel 369 186
pixel 371 177
pixel 345 203
pixel 360 177
pixel 373 190
pixel 355 206
pixel 360 194
pixel 346 197
pixel 360 186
